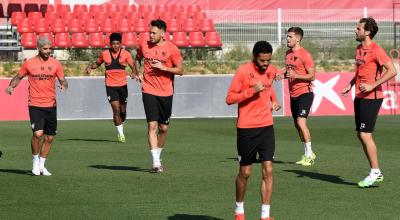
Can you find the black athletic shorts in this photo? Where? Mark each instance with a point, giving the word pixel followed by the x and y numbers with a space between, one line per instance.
pixel 300 106
pixel 365 113
pixel 251 141
pixel 117 93
pixel 157 108
pixel 43 118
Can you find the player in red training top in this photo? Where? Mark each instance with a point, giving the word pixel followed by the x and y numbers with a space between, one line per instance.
pixel 300 72
pixel 42 71
pixel 162 61
pixel 251 88
pixel 116 59
pixel 374 67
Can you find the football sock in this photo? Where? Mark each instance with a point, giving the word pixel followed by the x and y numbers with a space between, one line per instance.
pixel 305 149
pixel 265 210
pixel 156 156
pixel 308 149
pixel 35 159
pixel 375 172
pixel 159 150
pixel 120 129
pixel 42 160
pixel 239 208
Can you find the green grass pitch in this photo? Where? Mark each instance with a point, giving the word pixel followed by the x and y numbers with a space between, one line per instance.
pixel 94 177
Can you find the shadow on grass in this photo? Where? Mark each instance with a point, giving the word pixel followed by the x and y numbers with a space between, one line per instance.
pixel 89 140
pixel 22 172
pixel 283 162
pixel 191 217
pixel 127 168
pixel 321 176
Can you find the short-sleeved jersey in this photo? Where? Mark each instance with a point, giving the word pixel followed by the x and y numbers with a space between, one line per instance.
pixel 41 77
pixel 158 82
pixel 369 61
pixel 115 76
pixel 254 109
pixel 299 61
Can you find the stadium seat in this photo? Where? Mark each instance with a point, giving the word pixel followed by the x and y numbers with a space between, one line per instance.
pixel 112 8
pixel 96 40
pixel 161 8
pixel 84 16
pixel 43 9
pixel 16 17
pixel 189 25
pixel 133 16
pixel 145 8
pixel 62 40
pixel 174 25
pixel 49 36
pixel 199 16
pixel 67 16
pixel 176 8
pixel 63 8
pixel 149 16
pixel 28 40
pixel 35 15
pixel 75 25
pixel 80 8
pixel 124 25
pixel 41 26
pixel 100 16
pixel 31 7
pixel 129 39
pixel 213 39
pixel 107 26
pixel 91 26
pixel 141 26
pixel 193 8
pixel 167 36
pixel 94 9
pixel 13 7
pixel 144 37
pixel 107 39
pixel 24 26
pixel 57 26
pixel 165 16
pixel 50 16
pixel 133 8
pixel 116 16
pixel 182 16
pixel 50 8
pixel 206 25
pixel 196 39
pixel 1 11
pixel 180 39
pixel 79 40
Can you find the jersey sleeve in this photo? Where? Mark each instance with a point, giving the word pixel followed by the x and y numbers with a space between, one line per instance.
pixel 176 56
pixel 235 92
pixel 381 56
pixel 24 70
pixel 308 61
pixel 60 72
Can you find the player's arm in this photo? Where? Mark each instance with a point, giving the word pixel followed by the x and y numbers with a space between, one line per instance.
pixel 274 101
pixel 176 69
pixel 388 73
pixel 310 76
pixel 237 95
pixel 63 84
pixel 13 83
pixel 347 88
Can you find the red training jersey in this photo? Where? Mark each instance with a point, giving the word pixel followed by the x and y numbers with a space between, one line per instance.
pixel 158 82
pixel 299 61
pixel 41 77
pixel 369 61
pixel 254 109
pixel 115 74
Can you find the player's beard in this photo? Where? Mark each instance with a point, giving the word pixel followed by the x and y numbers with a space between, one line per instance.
pixel 44 56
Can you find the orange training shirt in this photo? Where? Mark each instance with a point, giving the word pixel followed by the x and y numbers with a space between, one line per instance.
pixel 254 109
pixel 115 77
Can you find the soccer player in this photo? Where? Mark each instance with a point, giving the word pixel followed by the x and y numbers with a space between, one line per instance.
pixel 374 67
pixel 251 88
pixel 162 61
pixel 300 72
pixel 42 70
pixel 116 59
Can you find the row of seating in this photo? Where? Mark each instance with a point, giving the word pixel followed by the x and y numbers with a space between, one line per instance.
pixel 129 39
pixel 109 8
pixel 109 25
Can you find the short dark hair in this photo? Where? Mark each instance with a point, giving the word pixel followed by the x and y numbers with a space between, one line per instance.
pixel 115 37
pixel 262 47
pixel 370 25
pixel 297 31
pixel 160 24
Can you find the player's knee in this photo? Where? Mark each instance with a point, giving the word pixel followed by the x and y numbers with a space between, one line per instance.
pixel 122 115
pixel 363 136
pixel 163 128
pixel 48 138
pixel 244 173
pixel 38 134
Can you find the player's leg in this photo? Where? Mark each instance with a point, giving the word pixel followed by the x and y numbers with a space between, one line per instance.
pixel 304 106
pixel 113 98
pixel 36 116
pixel 123 100
pixel 165 111
pixel 294 108
pixel 50 130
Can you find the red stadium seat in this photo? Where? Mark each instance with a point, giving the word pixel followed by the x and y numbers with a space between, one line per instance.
pixel 177 8
pixel 107 39
pixel 189 25
pixel 145 8
pixel 24 26
pixel 180 39
pixel 50 8
pixel 144 37
pixel 75 25
pixel 43 9
pixel 161 8
pixel 13 7
pixel 94 9
pixel 193 8
pixel 84 16
pixel 79 40
pixel 28 40
pixel 165 16
pixel 57 26
pixel 182 16
pixel 206 25
pixel 41 26
pixel 100 16
pixel 167 36
pixel 17 16
pixel 213 39
pixel 107 26
pixel 63 8
pixel 149 16
pixel 31 7
pixel 49 36
pixel 141 26
pixel 174 25
pixel 67 16
pixel 50 16
pixel 133 16
pixel 62 40
pixel 112 8
pixel 199 16
pixel 196 39
pixel 116 16
pixel 129 39
pixel 124 25
pixel 80 8
pixel 133 8
pixel 91 26
pixel 35 15
pixel 96 40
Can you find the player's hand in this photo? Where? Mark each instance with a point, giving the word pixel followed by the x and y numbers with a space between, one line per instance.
pixel 346 90
pixel 366 87
pixel 62 88
pixel 157 64
pixel 279 76
pixel 291 74
pixel 88 70
pixel 9 90
pixel 276 106
pixel 259 86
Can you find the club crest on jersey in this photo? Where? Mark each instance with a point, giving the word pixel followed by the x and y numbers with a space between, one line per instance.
pixel 42 68
pixel 49 68
pixel 164 54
